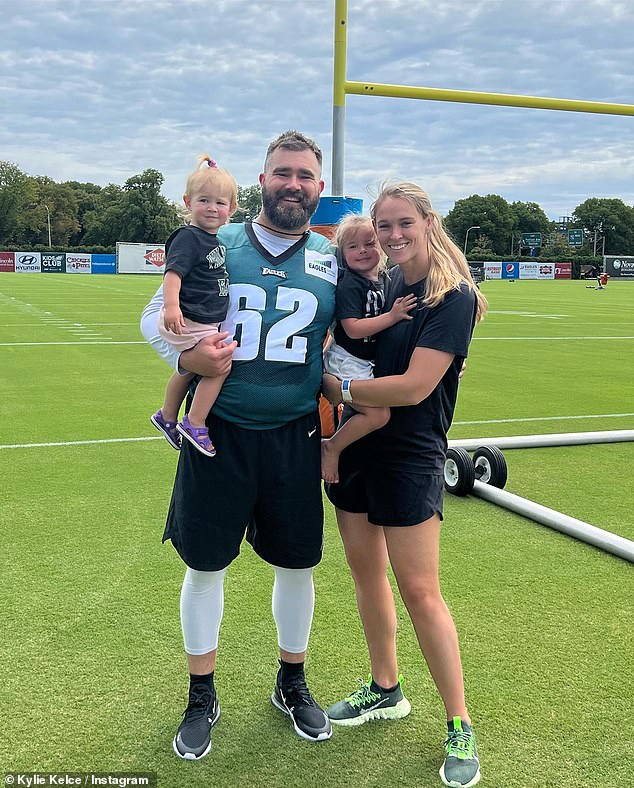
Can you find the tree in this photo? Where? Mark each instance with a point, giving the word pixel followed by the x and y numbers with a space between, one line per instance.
pixel 491 214
pixel 249 202
pixel 611 219
pixel 17 191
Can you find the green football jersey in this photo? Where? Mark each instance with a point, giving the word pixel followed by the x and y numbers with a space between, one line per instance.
pixel 279 311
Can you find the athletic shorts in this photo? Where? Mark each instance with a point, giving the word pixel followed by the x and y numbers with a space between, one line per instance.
pixel 390 495
pixel 265 483
pixel 192 332
pixel 338 362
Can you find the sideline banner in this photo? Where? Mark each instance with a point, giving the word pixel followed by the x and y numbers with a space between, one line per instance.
pixel 621 267
pixel 563 270
pixel 28 262
pixel 104 264
pixel 140 258
pixel 510 270
pixel 7 261
pixel 53 263
pixel 78 263
pixel 492 270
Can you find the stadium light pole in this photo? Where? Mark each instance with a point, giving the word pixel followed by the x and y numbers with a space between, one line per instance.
pixel 48 221
pixel 466 238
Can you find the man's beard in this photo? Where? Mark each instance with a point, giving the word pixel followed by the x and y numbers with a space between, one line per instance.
pixel 288 216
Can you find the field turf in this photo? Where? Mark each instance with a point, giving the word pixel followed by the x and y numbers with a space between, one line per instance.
pixel 93 672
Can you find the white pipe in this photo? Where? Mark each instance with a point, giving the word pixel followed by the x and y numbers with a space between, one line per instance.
pixel 604 540
pixel 534 441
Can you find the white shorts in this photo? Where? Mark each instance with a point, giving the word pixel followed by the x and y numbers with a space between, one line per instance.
pixel 193 332
pixel 344 365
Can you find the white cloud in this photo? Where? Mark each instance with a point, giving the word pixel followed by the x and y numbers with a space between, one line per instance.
pixel 100 91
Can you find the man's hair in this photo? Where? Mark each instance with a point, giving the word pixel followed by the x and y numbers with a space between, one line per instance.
pixel 293 140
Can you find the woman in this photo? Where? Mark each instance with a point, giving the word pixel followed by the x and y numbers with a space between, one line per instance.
pixel 389 496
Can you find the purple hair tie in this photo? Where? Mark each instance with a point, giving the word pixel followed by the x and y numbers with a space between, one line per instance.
pixel 212 163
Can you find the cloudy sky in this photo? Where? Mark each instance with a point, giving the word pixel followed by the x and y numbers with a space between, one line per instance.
pixel 99 90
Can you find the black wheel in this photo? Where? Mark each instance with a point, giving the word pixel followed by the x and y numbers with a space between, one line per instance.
pixel 490 466
pixel 459 472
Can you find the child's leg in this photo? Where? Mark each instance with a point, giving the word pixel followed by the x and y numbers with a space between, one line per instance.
pixel 206 394
pixel 175 393
pixel 366 420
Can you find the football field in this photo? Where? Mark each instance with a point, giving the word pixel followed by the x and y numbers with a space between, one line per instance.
pixel 94 675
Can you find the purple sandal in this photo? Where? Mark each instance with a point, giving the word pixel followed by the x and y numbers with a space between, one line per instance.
pixel 197 436
pixel 168 428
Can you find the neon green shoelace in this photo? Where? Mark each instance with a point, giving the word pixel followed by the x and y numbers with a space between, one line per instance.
pixel 362 697
pixel 460 744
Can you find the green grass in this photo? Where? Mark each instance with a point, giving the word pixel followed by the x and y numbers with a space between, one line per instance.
pixel 94 675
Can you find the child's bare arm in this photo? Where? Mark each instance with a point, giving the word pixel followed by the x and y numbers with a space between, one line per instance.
pixel 174 320
pixel 358 328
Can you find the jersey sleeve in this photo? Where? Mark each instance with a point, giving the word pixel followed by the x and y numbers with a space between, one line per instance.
pixel 450 324
pixel 182 253
pixel 348 299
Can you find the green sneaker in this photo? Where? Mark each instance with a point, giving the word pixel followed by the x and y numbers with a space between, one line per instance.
pixel 367 704
pixel 461 768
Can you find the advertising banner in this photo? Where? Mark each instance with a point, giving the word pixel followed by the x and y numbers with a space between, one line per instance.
pixel 620 267
pixel 78 263
pixel 529 270
pixel 493 270
pixel 140 258
pixel 546 271
pixel 104 264
pixel 563 270
pixel 510 270
pixel 53 263
pixel 7 261
pixel 28 262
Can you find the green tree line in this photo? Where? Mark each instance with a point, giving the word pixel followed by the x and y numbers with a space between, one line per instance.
pixel 86 215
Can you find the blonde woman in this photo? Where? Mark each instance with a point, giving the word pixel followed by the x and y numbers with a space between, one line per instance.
pixel 359 314
pixel 389 496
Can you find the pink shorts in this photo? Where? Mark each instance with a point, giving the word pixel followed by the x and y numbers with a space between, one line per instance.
pixel 193 332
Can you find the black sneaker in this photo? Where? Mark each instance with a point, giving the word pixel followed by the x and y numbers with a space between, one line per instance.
pixel 308 718
pixel 193 737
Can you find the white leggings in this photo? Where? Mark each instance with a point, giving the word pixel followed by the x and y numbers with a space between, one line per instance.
pixel 202 606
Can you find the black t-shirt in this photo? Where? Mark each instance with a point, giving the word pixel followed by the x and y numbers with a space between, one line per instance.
pixel 199 259
pixel 359 298
pixel 416 435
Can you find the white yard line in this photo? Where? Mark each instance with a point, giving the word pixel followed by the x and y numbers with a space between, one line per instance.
pixel 543 339
pixel 86 342
pixel 158 437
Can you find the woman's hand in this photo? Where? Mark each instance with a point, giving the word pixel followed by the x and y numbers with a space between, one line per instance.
pixel 174 320
pixel 331 388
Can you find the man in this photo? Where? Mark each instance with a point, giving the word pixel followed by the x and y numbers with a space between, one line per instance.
pixel 265 479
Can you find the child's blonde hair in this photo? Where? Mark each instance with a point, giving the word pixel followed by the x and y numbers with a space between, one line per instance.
pixel 208 173
pixel 448 266
pixel 350 226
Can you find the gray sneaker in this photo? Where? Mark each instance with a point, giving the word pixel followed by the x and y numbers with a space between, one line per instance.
pixel 461 768
pixel 367 704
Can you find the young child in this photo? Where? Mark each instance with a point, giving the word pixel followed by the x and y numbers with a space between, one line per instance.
pixel 196 296
pixel 360 300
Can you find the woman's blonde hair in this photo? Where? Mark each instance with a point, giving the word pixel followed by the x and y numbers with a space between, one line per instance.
pixel 350 226
pixel 208 173
pixel 448 266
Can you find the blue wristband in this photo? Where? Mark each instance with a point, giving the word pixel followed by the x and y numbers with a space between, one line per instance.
pixel 346 394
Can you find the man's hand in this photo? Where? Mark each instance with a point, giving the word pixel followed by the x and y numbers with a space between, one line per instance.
pixel 331 388
pixel 211 357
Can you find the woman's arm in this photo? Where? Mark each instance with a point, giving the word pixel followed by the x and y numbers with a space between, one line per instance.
pixel 426 369
pixel 359 328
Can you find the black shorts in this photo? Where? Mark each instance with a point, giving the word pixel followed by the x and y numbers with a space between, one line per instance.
pixel 390 494
pixel 266 483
